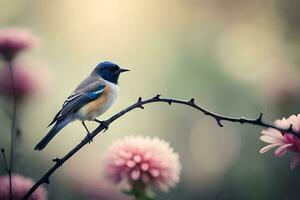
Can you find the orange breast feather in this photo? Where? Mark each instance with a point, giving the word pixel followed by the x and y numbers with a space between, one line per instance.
pixel 93 107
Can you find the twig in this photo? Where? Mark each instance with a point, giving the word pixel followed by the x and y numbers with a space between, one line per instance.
pixel 5 165
pixel 140 104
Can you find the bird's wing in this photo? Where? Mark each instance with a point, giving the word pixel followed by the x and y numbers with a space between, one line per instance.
pixel 76 100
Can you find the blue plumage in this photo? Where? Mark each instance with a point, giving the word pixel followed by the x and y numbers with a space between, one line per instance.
pixel 89 90
pixel 94 95
pixel 76 101
pixel 54 130
pixel 107 71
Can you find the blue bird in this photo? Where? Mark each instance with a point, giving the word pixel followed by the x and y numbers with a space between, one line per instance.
pixel 94 96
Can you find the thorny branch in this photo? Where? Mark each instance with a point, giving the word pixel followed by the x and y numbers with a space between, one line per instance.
pixel 140 104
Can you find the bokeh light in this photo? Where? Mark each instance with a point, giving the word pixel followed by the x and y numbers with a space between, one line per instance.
pixel 235 58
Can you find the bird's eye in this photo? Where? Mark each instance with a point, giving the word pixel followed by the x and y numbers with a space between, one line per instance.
pixel 114 68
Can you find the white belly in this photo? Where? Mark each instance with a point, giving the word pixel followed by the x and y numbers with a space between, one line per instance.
pixel 112 97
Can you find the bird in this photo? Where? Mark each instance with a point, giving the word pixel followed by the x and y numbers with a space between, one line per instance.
pixel 92 97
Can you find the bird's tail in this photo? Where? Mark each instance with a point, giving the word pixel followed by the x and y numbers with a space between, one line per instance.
pixel 54 130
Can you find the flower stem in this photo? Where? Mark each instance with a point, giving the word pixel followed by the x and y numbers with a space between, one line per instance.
pixel 13 129
pixel 139 191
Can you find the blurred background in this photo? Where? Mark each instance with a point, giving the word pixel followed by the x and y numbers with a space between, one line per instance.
pixel 236 58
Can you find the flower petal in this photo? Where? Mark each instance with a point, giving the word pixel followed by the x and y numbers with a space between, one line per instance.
pixel 271 139
pixel 139 158
pixel 268 147
pixel 272 132
pixel 280 151
pixel 130 163
pixel 135 174
pixel 295 161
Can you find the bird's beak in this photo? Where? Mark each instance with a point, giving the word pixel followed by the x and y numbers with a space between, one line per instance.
pixel 121 70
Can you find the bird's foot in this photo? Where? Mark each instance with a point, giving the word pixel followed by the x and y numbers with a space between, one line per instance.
pixel 103 123
pixel 89 137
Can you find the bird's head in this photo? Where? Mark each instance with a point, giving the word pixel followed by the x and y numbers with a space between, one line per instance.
pixel 109 71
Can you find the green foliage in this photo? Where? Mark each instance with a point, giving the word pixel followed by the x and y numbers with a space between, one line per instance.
pixel 140 191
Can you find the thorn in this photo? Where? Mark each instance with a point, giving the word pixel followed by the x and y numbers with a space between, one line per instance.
pixel 56 160
pixel 192 100
pixel 242 120
pixel 2 150
pixel 169 102
pixel 157 96
pixel 140 106
pixel 219 122
pixel 139 102
pixel 259 119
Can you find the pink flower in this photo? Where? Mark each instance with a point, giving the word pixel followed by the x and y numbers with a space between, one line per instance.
pixel 286 142
pixel 13 41
pixel 20 186
pixel 24 81
pixel 138 159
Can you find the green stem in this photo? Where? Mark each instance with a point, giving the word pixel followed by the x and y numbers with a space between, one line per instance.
pixel 139 191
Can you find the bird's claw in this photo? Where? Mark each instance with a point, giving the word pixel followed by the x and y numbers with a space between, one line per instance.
pixel 104 124
pixel 89 137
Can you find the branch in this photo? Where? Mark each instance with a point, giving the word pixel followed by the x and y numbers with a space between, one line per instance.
pixel 140 104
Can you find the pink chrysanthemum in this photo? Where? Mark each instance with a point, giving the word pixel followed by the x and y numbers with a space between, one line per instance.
pixel 13 41
pixel 286 142
pixel 150 161
pixel 24 81
pixel 20 186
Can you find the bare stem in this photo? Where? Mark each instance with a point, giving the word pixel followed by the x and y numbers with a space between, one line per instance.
pixel 13 128
pixel 5 165
pixel 140 104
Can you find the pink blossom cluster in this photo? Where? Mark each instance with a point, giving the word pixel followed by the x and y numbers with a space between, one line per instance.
pixel 143 159
pixel 13 41
pixel 20 186
pixel 284 142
